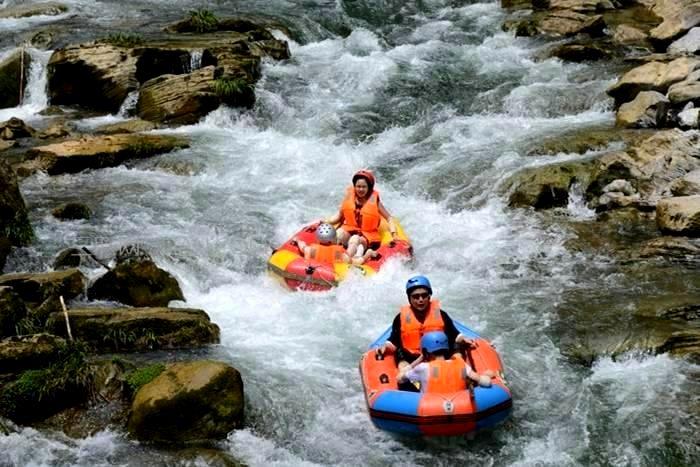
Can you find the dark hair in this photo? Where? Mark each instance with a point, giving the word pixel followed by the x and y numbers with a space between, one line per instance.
pixel 370 182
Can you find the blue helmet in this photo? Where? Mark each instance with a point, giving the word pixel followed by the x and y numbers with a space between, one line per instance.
pixel 418 281
pixel 434 341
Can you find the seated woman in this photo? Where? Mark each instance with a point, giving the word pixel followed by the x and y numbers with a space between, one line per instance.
pixel 327 249
pixel 360 215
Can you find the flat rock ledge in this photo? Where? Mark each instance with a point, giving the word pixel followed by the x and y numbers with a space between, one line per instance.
pixel 95 152
pixel 137 329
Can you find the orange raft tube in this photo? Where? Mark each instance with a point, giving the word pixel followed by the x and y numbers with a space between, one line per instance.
pixel 433 414
pixel 287 263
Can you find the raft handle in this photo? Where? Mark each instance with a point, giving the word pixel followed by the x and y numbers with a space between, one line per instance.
pixel 310 270
pixel 392 244
pixel 383 378
pixel 378 356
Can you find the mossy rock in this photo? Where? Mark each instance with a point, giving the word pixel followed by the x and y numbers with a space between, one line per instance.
pixel 189 402
pixel 137 283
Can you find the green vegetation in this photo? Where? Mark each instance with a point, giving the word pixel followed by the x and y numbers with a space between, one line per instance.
pixel 18 230
pixel 203 20
pixel 37 394
pixel 119 338
pixel 30 324
pixel 228 89
pixel 121 39
pixel 137 378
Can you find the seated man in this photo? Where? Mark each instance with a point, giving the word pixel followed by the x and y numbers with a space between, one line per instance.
pixel 422 315
pixel 327 249
pixel 438 374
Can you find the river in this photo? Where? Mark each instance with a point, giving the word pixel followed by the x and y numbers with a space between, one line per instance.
pixel 443 106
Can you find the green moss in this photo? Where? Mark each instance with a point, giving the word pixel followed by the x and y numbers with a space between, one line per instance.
pixel 203 20
pixel 121 39
pixel 142 376
pixel 37 394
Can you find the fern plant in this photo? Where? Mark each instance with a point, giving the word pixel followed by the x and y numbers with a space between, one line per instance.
pixel 203 20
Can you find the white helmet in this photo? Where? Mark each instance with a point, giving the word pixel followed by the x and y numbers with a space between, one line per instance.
pixel 325 233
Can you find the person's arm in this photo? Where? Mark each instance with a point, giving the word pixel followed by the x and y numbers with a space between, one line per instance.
pixel 304 249
pixel 482 380
pixel 394 341
pixel 454 337
pixel 413 373
pixel 389 219
pixel 335 219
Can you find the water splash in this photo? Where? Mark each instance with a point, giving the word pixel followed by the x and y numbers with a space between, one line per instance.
pixel 576 205
pixel 195 60
pixel 128 107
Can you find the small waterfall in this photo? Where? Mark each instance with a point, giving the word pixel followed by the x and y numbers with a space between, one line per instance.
pixel 576 205
pixel 35 88
pixel 195 60
pixel 128 107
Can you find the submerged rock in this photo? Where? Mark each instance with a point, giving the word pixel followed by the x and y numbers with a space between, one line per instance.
pixel 72 211
pixel 189 402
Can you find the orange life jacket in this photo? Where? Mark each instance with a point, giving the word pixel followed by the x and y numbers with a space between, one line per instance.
pixel 326 253
pixel 412 329
pixel 446 375
pixel 366 219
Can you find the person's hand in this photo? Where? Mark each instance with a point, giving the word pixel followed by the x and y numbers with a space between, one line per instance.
pixel 401 375
pixel 385 347
pixel 465 341
pixel 394 235
pixel 484 381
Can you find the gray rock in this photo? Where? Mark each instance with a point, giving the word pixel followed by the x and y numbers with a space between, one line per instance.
pixel 688 44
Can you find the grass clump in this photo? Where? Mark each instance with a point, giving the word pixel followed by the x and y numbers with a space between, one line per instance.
pixel 231 88
pixel 142 376
pixel 121 39
pixel 203 20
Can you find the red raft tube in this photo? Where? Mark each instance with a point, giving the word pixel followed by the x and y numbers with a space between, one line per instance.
pixel 435 414
pixel 288 265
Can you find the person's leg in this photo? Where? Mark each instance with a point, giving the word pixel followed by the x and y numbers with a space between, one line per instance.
pixel 343 237
pixel 353 243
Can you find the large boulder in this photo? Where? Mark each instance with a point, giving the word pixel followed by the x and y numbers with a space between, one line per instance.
pixel 188 402
pixel 14 70
pixel 137 283
pixel 96 76
pixel 14 221
pixel 12 310
pixel 136 329
pixel 37 287
pixel 181 99
pixel 95 152
pixel 679 215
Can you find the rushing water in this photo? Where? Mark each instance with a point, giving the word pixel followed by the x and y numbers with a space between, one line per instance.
pixel 442 105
